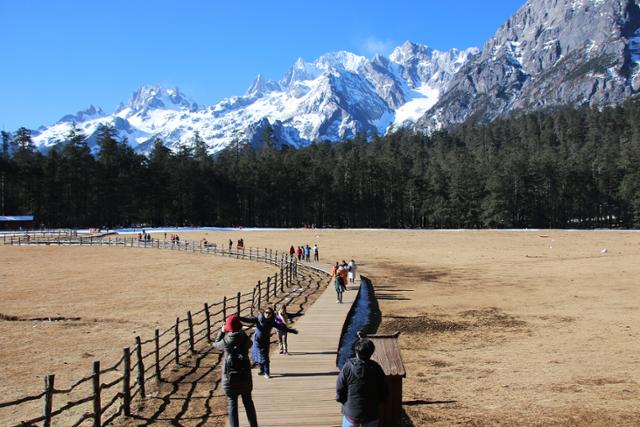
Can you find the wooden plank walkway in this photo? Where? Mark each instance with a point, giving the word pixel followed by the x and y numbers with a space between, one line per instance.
pixel 302 387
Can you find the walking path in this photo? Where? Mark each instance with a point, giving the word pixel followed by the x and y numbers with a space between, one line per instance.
pixel 302 387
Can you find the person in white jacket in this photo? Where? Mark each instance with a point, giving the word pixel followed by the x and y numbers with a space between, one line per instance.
pixel 352 267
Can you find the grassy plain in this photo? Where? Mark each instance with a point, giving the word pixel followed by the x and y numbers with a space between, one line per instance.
pixel 498 327
pixel 102 297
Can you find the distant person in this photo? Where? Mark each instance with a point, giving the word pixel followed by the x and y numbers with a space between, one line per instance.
pixel 283 318
pixel 337 283
pixel 342 272
pixel 292 251
pixel 236 370
pixel 299 253
pixel 334 270
pixel 352 269
pixel 230 244
pixel 307 253
pixel 262 338
pixel 315 253
pixel 361 388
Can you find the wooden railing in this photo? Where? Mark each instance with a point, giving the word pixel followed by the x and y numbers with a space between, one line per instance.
pixel 112 389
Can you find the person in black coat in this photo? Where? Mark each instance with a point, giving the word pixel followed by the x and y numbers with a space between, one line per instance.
pixel 361 388
pixel 236 380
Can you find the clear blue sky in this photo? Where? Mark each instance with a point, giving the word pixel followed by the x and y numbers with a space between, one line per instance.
pixel 58 57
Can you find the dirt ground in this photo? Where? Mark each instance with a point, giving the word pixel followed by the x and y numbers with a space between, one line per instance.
pixel 504 328
pixel 99 299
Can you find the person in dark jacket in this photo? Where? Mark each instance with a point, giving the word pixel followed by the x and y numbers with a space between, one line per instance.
pixel 237 381
pixel 361 388
pixel 265 322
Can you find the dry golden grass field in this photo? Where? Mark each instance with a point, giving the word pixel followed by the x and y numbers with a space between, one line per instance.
pixel 504 328
pixel 108 294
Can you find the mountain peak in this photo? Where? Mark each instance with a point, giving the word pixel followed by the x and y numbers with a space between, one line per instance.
pixel 410 50
pixel 87 114
pixel 149 97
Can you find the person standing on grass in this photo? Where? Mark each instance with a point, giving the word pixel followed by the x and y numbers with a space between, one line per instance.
pixel 361 388
pixel 236 370
pixel 265 322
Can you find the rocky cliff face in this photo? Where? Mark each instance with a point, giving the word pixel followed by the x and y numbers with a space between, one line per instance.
pixel 551 52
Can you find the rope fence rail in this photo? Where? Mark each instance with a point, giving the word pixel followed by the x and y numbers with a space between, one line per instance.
pixel 187 337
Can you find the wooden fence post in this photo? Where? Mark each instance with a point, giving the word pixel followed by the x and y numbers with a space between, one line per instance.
pixel 265 255
pixel 268 289
pixel 177 333
pixel 275 286
pixel 253 300
pixel 208 321
pixel 97 407
pixel 140 364
pixel 49 381
pixel 281 280
pixel 259 295
pixel 238 304
pixel 224 309
pixel 190 323
pixel 126 382
pixel 270 255
pixel 157 351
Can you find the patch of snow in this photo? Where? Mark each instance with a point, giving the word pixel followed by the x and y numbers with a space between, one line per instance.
pixel 423 99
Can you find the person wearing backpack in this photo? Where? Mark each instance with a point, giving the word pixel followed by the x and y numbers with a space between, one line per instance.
pixel 236 369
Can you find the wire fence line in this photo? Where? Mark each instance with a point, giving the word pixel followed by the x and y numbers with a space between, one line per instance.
pixel 107 393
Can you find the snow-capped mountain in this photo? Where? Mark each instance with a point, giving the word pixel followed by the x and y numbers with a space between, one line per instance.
pixel 549 53
pixel 334 97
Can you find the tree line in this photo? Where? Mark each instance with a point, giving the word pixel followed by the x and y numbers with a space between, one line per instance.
pixel 567 168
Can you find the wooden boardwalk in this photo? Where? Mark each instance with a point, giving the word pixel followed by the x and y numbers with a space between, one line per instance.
pixel 302 387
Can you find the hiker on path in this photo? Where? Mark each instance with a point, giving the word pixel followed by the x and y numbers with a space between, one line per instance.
pixel 361 388
pixel 339 286
pixel 342 271
pixel 262 337
pixel 236 369
pixel 352 268
pixel 283 318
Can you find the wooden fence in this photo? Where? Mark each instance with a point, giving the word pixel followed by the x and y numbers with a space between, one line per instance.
pixel 110 390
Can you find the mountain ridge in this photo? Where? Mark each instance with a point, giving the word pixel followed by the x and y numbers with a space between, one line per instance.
pixel 547 54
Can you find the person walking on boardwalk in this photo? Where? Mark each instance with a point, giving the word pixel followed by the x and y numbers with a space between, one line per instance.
pixel 265 322
pixel 283 318
pixel 342 270
pixel 361 388
pixel 352 267
pixel 337 282
pixel 236 369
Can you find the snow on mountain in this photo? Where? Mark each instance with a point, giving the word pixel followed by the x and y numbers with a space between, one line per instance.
pixel 337 96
